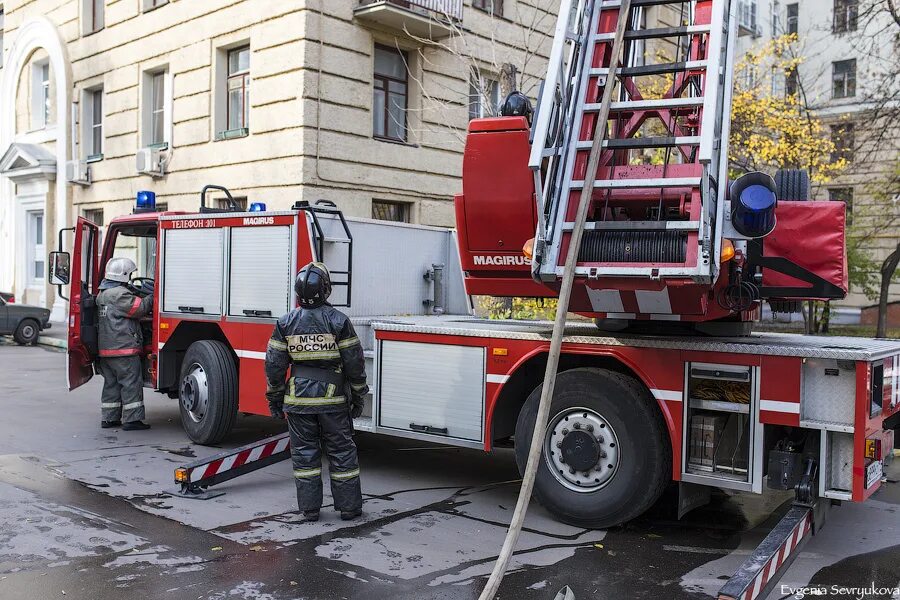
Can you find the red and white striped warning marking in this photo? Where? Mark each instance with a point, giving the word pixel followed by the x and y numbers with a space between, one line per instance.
pixel 244 456
pixel 776 561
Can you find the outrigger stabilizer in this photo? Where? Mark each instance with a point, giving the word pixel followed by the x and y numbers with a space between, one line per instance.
pixel 195 478
pixel 767 564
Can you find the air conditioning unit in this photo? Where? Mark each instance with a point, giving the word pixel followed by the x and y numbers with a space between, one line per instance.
pixel 149 161
pixel 78 171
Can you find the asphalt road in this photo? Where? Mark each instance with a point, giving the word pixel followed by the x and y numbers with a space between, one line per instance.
pixel 83 514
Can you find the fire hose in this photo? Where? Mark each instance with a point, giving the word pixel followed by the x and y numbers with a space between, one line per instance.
pixel 559 325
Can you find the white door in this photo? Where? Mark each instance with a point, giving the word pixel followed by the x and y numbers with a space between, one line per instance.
pixel 35 248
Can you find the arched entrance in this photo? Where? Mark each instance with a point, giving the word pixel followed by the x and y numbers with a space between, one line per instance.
pixel 33 190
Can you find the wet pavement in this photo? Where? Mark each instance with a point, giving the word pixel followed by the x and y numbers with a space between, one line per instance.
pixel 84 514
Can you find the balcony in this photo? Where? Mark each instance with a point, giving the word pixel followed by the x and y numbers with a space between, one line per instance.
pixel 427 19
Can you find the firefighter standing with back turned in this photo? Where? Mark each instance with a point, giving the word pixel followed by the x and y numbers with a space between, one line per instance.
pixel 323 393
pixel 121 342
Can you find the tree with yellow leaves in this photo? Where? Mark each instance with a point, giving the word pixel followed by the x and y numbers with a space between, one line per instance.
pixel 772 128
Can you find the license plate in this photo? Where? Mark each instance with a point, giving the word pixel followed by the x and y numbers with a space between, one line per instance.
pixel 873 473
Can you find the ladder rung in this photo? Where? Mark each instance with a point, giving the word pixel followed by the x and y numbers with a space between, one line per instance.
pixel 654 104
pixel 654 182
pixel 638 225
pixel 659 32
pixel 657 69
pixel 644 142
pixel 635 3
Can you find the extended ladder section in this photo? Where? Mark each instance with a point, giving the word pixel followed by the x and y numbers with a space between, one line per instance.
pixel 659 191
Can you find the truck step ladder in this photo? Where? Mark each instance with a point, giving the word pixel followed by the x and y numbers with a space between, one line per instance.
pixel 663 153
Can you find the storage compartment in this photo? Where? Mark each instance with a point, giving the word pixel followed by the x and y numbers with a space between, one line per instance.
pixel 193 271
pixel 829 392
pixel 432 389
pixel 260 271
pixel 838 471
pixel 720 398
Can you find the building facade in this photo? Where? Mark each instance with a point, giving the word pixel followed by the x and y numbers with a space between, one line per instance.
pixel 364 103
pixel 847 50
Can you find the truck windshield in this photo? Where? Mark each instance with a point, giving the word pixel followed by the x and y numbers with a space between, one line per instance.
pixel 140 246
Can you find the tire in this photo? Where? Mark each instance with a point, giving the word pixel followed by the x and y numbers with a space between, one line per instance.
pixel 207 392
pixel 792 184
pixel 27 332
pixel 641 450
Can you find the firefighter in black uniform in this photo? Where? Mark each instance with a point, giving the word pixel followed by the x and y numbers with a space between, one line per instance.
pixel 323 393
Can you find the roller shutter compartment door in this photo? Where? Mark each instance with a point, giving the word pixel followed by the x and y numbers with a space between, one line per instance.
pixel 193 271
pixel 260 271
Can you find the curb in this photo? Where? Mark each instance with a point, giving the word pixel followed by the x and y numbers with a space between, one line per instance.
pixel 45 340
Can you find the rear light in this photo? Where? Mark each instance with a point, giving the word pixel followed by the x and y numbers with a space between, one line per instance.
pixel 873 449
pixel 11 300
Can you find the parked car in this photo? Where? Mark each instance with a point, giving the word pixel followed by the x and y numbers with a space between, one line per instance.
pixel 23 321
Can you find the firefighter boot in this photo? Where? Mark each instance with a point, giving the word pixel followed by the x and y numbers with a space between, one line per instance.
pixel 109 424
pixel 349 515
pixel 311 516
pixel 135 426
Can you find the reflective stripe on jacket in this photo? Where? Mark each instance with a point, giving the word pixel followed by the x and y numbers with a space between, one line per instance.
pixel 119 309
pixel 322 338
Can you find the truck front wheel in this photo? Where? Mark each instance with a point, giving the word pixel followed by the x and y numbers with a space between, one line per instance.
pixel 606 456
pixel 207 392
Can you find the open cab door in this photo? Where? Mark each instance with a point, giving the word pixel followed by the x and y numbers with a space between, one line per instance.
pixel 83 303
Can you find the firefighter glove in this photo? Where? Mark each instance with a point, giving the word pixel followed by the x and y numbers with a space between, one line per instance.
pixel 355 410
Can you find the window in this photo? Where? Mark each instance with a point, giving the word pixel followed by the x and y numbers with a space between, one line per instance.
pixel 389 102
pixel 791 83
pixel 2 16
pixel 385 210
pixel 156 114
pixel 35 246
pixel 157 108
pixel 493 7
pixel 92 124
pixel 747 14
pixel 484 97
pixel 241 202
pixel 793 15
pixel 151 4
pixel 844 139
pixel 845 195
pixel 94 215
pixel 846 13
pixel 749 77
pixel 92 16
pixel 238 85
pixel 843 78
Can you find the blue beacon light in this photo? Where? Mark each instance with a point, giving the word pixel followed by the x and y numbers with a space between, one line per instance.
pixel 258 207
pixel 145 201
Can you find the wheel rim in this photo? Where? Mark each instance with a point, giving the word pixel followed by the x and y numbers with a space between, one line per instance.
pixel 581 449
pixel 195 393
pixel 28 331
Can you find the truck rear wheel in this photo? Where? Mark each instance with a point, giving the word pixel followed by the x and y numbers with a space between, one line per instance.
pixel 208 392
pixel 606 456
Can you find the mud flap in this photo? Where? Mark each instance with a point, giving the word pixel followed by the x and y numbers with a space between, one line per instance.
pixel 759 573
pixel 195 478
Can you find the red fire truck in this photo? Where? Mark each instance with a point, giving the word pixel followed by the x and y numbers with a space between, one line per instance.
pixel 662 384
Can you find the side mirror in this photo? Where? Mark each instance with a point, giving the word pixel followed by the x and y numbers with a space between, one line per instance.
pixel 59 268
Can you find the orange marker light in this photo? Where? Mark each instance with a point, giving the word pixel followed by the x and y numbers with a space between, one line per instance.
pixel 500 352
pixel 528 249
pixel 163 325
pixel 181 475
pixel 727 251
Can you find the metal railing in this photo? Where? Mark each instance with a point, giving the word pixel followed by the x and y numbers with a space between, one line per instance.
pixel 452 9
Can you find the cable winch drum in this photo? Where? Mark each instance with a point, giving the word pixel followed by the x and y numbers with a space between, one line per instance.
pixel 633 247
